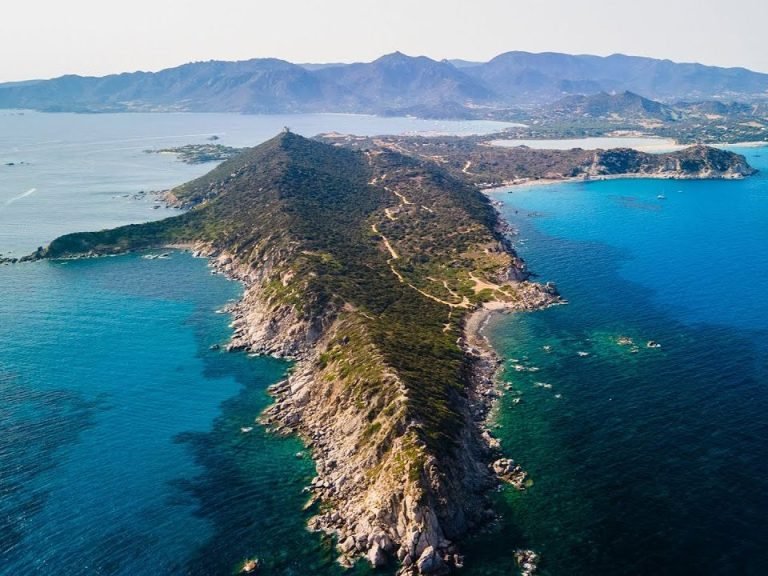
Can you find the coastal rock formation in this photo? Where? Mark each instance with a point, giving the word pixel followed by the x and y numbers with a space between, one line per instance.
pixel 699 162
pixel 373 264
pixel 373 271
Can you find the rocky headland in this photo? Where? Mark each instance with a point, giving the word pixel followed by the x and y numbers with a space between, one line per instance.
pixel 374 270
pixel 476 159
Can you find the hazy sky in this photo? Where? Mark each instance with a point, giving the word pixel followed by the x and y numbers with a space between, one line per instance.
pixel 45 38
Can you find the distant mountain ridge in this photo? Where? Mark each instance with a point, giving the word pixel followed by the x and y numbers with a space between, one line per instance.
pixel 541 76
pixel 394 83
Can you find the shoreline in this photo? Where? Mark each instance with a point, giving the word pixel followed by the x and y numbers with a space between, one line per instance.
pixel 505 186
pixel 652 144
pixel 250 321
pixel 294 411
pixel 346 511
pixel 486 360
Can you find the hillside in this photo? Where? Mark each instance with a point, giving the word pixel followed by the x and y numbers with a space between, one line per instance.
pixel 253 86
pixel 399 82
pixel 479 161
pixel 394 83
pixel 362 266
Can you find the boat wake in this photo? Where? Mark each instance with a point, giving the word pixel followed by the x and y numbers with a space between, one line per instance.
pixel 20 196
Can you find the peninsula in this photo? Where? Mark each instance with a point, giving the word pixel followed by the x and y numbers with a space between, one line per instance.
pixel 370 265
pixel 479 160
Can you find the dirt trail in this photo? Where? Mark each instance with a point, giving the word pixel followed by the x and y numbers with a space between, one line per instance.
pixel 392 252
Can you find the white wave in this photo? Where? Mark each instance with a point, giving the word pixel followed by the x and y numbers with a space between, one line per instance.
pixel 20 196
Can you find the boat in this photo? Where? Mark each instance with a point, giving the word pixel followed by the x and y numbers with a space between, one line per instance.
pixel 246 429
pixel 661 197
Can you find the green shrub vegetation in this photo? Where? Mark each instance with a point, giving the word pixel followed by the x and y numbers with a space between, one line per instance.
pixel 307 209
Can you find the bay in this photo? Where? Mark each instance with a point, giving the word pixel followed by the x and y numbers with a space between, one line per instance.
pixel 644 460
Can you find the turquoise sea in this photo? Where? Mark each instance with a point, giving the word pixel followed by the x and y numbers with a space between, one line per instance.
pixel 646 460
pixel 122 442
pixel 122 448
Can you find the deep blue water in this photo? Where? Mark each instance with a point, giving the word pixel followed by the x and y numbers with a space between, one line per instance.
pixel 646 462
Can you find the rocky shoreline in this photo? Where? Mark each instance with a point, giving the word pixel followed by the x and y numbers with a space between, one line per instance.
pixel 390 386
pixel 378 523
pixel 486 362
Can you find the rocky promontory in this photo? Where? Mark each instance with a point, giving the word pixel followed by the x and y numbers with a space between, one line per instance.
pixel 365 268
pixel 373 269
pixel 478 160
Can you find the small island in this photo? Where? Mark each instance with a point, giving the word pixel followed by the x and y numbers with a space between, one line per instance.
pixel 199 153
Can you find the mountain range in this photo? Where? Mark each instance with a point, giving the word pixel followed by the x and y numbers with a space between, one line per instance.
pixel 393 84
